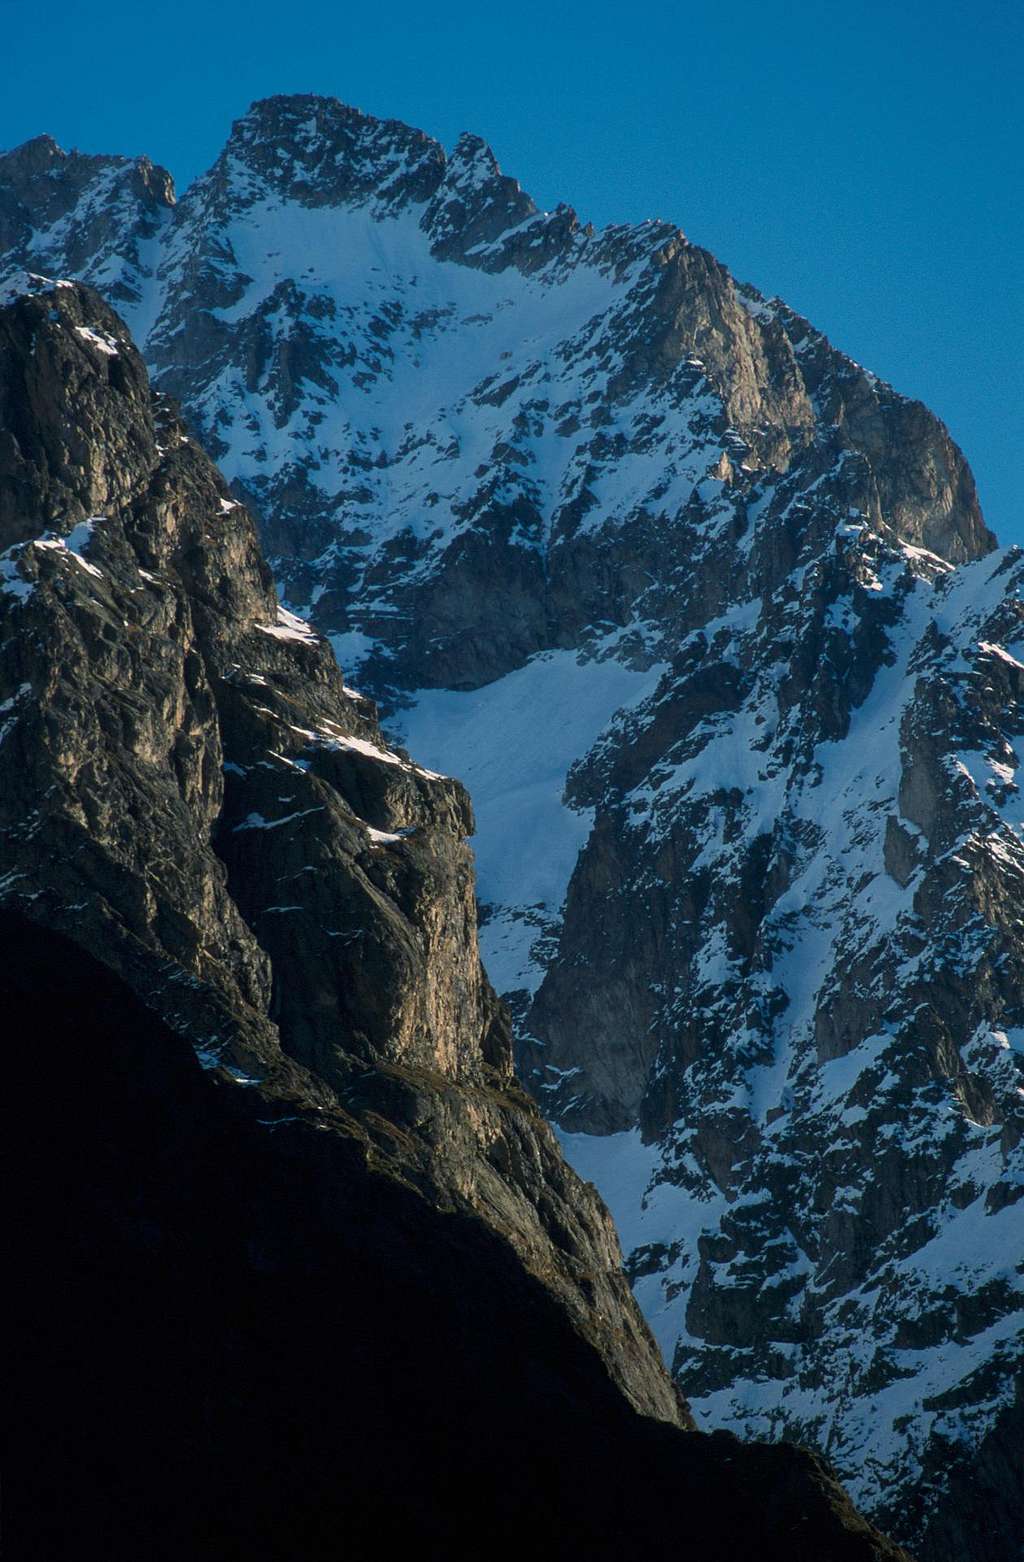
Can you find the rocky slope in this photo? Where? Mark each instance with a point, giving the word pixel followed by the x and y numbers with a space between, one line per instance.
pixel 708 620
pixel 297 1268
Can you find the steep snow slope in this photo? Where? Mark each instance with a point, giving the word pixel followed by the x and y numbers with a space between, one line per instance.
pixel 707 617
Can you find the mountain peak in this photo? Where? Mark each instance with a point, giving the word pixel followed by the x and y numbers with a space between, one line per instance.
pixel 472 152
pixel 31 157
pixel 42 157
pixel 476 203
pixel 320 151
pixel 104 209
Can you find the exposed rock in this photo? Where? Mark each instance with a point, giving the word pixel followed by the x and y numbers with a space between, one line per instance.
pixel 97 218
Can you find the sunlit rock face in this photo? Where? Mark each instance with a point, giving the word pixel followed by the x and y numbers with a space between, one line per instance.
pixel 707 619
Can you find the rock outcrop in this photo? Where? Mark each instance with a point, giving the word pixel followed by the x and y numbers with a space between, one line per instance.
pixel 708 620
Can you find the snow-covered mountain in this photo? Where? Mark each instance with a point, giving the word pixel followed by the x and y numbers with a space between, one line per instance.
pixel 708 620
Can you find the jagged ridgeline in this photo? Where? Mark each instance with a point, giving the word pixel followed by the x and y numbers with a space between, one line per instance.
pixel 708 620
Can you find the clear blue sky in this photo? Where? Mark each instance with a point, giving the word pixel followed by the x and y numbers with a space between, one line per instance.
pixel 863 160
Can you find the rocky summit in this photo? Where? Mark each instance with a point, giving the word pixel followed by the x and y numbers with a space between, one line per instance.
pixel 708 620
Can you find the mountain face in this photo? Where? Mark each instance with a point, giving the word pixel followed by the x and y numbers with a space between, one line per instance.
pixel 708 620
pixel 297 1267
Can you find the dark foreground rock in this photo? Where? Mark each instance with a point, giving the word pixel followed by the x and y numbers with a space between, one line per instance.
pixel 239 1335
pixel 295 1268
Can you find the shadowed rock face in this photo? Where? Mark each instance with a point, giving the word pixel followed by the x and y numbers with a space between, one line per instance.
pixel 297 1267
pixel 237 1334
pixel 708 620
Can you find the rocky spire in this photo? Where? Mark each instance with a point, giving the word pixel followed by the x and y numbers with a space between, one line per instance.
pixel 474 204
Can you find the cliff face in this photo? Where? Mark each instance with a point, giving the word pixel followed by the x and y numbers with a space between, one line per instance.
pixel 296 1264
pixel 190 792
pixel 708 620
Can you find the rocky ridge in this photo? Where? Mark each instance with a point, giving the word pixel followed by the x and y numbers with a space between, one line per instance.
pixel 709 621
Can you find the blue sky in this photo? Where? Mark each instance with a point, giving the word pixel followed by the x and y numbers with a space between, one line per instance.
pixel 863 160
